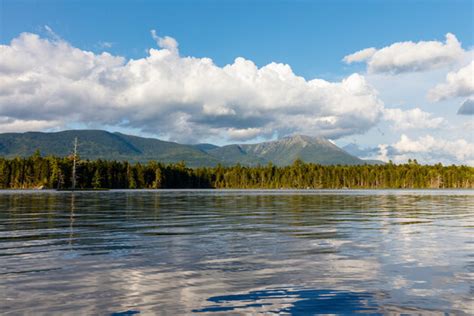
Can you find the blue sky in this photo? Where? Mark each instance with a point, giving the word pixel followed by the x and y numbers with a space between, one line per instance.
pixel 311 36
pixel 394 100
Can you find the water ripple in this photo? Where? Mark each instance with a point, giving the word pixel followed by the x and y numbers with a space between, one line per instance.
pixel 234 251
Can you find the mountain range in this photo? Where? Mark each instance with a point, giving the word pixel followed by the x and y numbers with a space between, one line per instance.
pixel 99 144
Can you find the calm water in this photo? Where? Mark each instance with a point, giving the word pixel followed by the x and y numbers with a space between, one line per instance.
pixel 237 252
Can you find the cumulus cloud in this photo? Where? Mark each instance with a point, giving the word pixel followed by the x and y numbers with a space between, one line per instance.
pixel 409 56
pixel 458 150
pixel 244 133
pixel 458 84
pixel 362 55
pixel 10 125
pixel 383 151
pixel 412 119
pixel 425 149
pixel 166 42
pixel 181 98
pixel 467 107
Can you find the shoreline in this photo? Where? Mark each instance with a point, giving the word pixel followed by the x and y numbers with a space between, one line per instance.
pixel 250 190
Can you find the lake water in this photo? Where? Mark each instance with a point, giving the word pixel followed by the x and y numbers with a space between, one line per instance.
pixel 236 252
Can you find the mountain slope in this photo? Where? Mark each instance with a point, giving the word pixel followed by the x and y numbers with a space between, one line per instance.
pixel 98 144
pixel 234 154
pixel 205 147
pixel 95 144
pixel 154 149
pixel 309 149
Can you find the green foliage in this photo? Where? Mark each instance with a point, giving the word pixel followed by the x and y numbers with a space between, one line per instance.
pixel 159 179
pixel 97 180
pixel 97 144
pixel 55 172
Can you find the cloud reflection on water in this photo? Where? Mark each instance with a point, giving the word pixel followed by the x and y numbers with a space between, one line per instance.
pixel 153 251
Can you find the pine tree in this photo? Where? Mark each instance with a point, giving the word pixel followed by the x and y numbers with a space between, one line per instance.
pixel 97 180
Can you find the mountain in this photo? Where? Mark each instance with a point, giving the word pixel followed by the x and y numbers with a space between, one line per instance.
pixel 95 144
pixel 355 150
pixel 205 147
pixel 309 149
pixel 234 154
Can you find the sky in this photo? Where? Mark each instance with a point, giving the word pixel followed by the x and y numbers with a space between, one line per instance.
pixel 393 80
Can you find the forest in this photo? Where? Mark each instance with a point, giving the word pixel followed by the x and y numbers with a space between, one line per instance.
pixel 56 172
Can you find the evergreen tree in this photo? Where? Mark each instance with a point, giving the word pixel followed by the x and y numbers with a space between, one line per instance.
pixel 97 180
pixel 54 172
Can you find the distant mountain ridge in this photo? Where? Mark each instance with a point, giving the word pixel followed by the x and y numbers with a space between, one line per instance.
pixel 309 149
pixel 99 144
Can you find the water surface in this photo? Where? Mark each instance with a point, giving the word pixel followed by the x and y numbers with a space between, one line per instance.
pixel 238 252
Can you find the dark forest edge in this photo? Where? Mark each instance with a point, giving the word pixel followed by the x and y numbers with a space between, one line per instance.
pixel 56 172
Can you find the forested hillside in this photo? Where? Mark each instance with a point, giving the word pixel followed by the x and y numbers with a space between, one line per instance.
pixel 98 144
pixel 55 172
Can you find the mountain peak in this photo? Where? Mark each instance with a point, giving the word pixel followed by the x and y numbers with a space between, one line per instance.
pixel 98 144
pixel 315 149
pixel 305 140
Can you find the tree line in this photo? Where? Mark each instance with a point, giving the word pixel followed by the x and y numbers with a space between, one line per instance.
pixel 56 172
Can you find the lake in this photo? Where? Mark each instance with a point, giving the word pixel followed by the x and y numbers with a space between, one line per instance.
pixel 219 252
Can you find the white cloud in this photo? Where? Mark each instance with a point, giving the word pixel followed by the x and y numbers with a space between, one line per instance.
pixel 182 98
pixel 105 44
pixel 51 33
pixel 458 84
pixel 425 149
pixel 383 153
pixel 166 42
pixel 360 56
pixel 244 133
pixel 432 150
pixel 412 119
pixel 9 125
pixel 409 56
